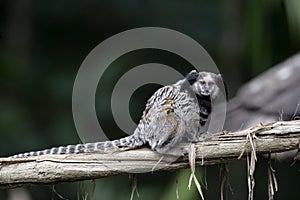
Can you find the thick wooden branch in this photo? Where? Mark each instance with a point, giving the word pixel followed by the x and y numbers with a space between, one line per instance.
pixel 218 148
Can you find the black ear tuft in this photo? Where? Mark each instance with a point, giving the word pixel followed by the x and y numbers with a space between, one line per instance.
pixel 192 77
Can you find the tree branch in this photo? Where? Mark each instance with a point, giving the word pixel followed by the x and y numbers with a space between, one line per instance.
pixel 213 149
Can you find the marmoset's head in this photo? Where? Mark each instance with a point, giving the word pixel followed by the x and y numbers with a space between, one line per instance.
pixel 206 84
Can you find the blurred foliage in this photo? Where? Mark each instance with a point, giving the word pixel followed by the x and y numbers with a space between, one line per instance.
pixel 293 16
pixel 42 44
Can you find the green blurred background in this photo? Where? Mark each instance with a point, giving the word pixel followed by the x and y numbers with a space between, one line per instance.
pixel 43 43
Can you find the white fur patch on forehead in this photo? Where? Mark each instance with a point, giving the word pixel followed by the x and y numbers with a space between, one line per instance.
pixel 207 76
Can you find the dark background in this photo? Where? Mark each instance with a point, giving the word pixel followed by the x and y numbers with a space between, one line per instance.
pixel 43 43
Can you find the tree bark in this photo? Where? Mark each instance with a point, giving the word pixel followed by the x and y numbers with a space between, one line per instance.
pixel 212 149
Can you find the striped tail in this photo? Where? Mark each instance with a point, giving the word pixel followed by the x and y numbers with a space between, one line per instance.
pixel 130 142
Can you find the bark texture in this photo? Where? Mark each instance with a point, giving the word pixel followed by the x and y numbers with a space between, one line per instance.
pixel 214 149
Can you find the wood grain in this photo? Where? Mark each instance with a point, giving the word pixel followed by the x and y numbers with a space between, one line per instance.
pixel 214 149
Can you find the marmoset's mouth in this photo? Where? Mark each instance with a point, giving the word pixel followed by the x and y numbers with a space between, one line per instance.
pixel 205 93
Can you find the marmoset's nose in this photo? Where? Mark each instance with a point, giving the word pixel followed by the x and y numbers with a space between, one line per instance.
pixel 206 88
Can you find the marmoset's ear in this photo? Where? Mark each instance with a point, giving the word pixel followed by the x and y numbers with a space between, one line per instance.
pixel 192 77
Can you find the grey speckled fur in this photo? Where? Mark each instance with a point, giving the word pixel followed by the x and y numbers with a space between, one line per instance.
pixel 174 113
